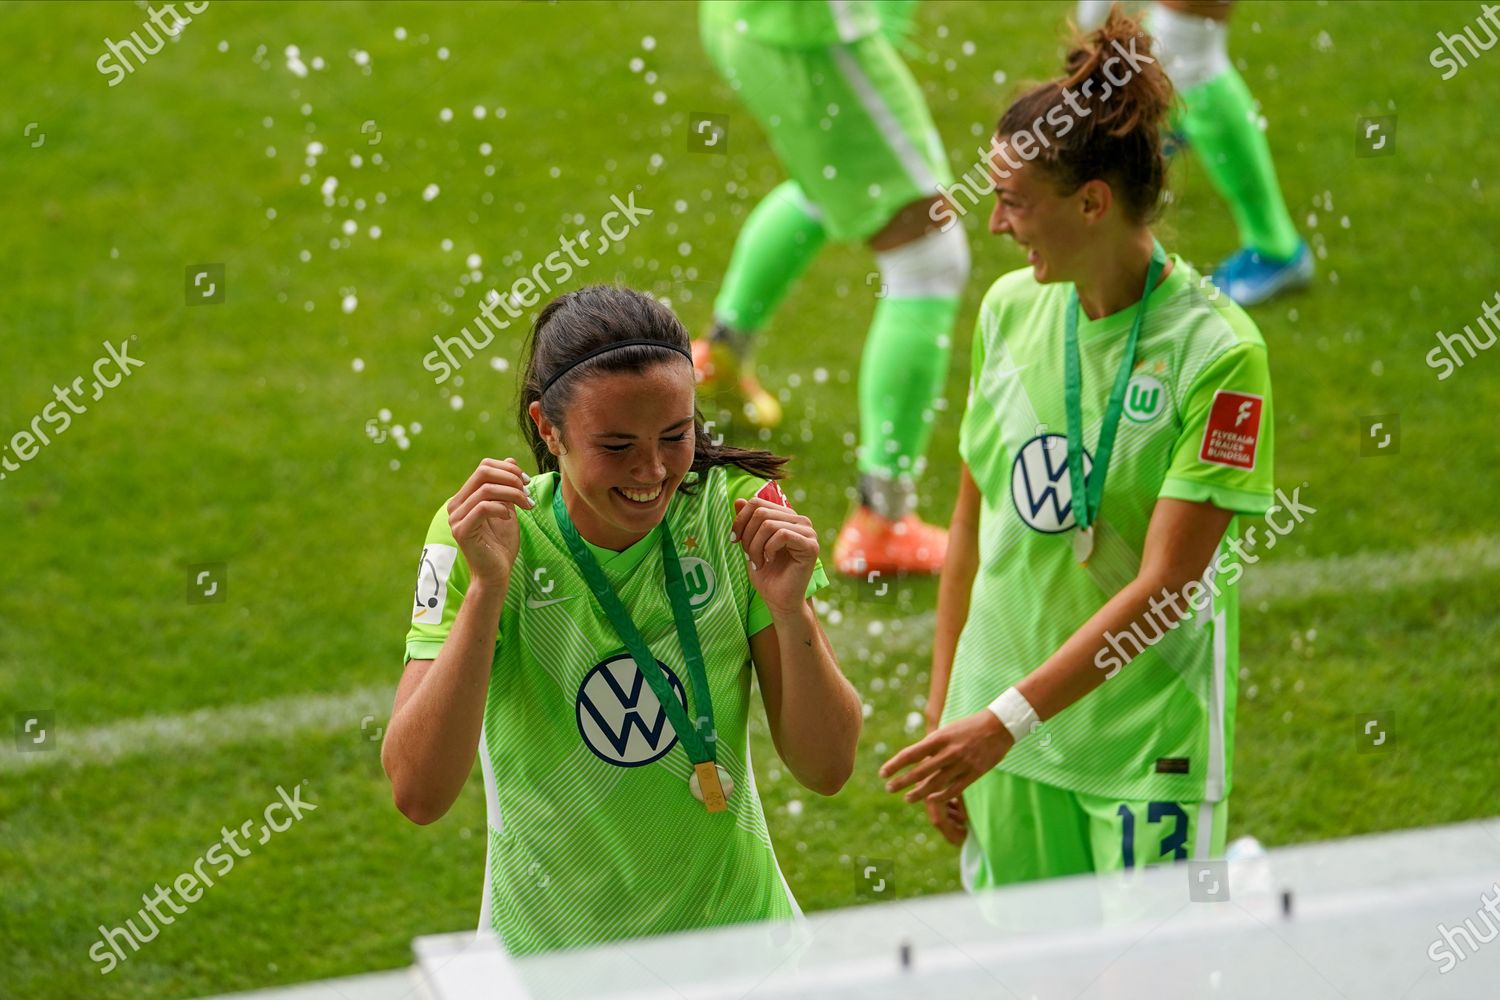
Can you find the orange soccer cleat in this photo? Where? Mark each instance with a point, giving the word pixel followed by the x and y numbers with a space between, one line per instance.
pixel 723 380
pixel 869 543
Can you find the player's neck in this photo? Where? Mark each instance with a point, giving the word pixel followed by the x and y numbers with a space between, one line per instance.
pixel 1116 273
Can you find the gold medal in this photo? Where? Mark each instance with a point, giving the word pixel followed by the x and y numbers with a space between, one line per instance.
pixel 711 785
pixel 1083 544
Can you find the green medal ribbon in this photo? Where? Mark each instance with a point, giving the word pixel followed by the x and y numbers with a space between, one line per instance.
pixel 698 741
pixel 1089 493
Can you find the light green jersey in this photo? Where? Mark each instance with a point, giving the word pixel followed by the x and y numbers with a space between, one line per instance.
pixel 594 834
pixel 1196 426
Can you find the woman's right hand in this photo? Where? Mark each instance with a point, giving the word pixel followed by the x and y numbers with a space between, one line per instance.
pixel 482 517
pixel 950 818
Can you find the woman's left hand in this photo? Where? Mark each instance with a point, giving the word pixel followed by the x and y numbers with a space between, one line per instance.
pixel 782 547
pixel 949 759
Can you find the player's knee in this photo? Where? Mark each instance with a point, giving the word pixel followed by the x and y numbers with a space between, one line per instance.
pixel 1193 50
pixel 933 266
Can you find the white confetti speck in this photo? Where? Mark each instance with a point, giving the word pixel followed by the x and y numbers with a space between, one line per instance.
pixel 430 192
pixel 457 402
pixel 349 304
pixel 358 364
pixel 648 43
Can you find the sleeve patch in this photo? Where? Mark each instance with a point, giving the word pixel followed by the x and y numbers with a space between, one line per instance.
pixel 432 584
pixel 772 492
pixel 1233 430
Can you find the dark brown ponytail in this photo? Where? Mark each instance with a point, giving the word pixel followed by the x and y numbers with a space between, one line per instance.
pixel 1108 129
pixel 577 323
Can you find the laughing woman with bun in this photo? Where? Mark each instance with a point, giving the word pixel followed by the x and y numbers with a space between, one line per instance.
pixel 1081 715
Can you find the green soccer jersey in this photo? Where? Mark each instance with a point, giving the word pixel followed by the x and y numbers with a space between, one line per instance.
pixel 594 834
pixel 1196 426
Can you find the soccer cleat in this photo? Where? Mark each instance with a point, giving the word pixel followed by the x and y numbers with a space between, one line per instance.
pixel 722 380
pixel 1250 279
pixel 869 543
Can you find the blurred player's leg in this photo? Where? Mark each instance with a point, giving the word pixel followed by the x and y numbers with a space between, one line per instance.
pixel 779 239
pixel 847 119
pixel 901 376
pixel 1221 123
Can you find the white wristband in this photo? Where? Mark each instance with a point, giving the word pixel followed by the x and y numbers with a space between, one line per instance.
pixel 1015 714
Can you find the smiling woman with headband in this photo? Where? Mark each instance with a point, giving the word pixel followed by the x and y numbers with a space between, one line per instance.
pixel 1065 591
pixel 592 630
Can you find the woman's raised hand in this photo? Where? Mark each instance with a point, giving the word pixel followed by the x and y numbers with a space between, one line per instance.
pixel 482 516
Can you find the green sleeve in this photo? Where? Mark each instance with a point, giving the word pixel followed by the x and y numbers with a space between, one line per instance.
pixel 1224 455
pixel 966 428
pixel 741 486
pixel 442 578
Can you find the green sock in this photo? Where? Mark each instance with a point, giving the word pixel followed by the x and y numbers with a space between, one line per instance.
pixel 901 374
pixel 774 247
pixel 1220 124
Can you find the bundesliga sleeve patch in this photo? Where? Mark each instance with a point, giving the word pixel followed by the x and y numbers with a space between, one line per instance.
pixel 772 492
pixel 1233 430
pixel 432 584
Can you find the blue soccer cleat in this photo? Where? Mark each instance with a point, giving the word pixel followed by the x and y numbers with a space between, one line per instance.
pixel 1250 279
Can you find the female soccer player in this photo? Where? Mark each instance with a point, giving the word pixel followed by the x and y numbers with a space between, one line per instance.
pixel 847 120
pixel 591 630
pixel 1101 359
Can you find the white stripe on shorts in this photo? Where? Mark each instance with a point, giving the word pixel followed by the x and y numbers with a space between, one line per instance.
pixel 884 120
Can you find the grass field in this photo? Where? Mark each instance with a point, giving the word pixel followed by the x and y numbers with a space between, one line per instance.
pixel 245 439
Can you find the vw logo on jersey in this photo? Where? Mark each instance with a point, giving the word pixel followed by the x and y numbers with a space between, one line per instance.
pixel 1039 483
pixel 1145 399
pixel 618 714
pixel 699 578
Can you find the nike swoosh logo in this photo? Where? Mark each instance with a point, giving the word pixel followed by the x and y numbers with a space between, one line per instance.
pixel 532 602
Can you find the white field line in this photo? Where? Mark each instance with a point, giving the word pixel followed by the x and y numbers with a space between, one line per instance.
pixel 297 715
pixel 206 728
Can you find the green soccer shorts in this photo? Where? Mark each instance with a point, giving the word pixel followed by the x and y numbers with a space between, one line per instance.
pixel 1021 830
pixel 847 121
